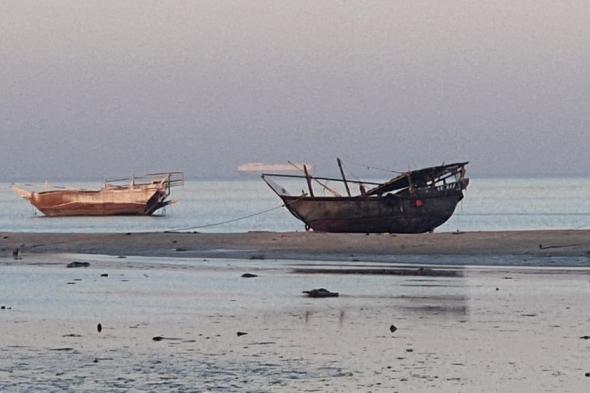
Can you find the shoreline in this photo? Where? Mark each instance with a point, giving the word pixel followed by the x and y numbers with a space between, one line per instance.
pixel 465 247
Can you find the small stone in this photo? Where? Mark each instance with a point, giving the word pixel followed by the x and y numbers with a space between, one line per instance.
pixel 241 334
pixel 104 275
pixel 99 327
pixel 249 275
pixel 157 338
pixel 587 375
pixel 77 264
pixel 392 328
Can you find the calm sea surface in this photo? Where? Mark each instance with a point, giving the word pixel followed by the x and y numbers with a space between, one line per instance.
pixel 489 204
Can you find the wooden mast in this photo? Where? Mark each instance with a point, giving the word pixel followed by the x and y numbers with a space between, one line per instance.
pixel 339 161
pixel 308 178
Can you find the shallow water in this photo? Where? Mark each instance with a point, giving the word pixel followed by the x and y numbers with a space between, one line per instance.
pixel 489 204
pixel 487 330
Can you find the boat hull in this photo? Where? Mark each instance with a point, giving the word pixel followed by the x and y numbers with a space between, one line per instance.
pixel 106 202
pixel 375 214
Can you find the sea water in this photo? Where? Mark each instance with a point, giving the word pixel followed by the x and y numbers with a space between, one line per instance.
pixel 249 205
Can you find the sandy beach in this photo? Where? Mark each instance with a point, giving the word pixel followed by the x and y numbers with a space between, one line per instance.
pixel 457 328
pixel 310 245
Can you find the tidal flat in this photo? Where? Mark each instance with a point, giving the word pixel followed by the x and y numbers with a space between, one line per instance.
pixel 171 324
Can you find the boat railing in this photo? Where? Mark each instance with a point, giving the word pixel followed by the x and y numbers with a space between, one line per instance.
pixel 457 185
pixel 168 179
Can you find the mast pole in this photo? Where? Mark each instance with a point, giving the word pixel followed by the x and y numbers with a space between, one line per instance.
pixel 308 178
pixel 339 161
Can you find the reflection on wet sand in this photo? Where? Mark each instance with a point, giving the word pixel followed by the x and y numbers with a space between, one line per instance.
pixel 446 337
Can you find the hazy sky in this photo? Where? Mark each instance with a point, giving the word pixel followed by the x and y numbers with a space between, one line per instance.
pixel 92 88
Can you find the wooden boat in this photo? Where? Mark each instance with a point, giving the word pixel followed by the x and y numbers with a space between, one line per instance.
pixel 129 196
pixel 414 202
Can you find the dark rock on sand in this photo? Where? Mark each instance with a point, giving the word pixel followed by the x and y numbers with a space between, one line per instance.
pixel 77 264
pixel 321 292
pixel 585 337
pixel 157 338
pixel 241 334
pixel 249 275
pixel 104 275
pixel 257 256
pixel 392 328
pixel 180 249
pixel 99 327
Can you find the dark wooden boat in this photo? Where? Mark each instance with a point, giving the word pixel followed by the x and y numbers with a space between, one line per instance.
pixel 414 202
pixel 129 196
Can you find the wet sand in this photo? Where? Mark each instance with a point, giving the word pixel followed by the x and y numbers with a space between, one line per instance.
pixel 518 245
pixel 492 329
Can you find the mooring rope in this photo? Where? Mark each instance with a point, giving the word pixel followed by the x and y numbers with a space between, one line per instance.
pixel 258 213
pixel 214 224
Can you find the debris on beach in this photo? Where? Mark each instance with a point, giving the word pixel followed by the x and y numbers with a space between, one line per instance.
pixel 321 292
pixel 241 334
pixel 104 275
pixel 249 275
pixel 99 327
pixel 585 337
pixel 392 328
pixel 160 338
pixel 77 264
pixel 5 308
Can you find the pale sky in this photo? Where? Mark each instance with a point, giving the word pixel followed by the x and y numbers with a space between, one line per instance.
pixel 93 88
